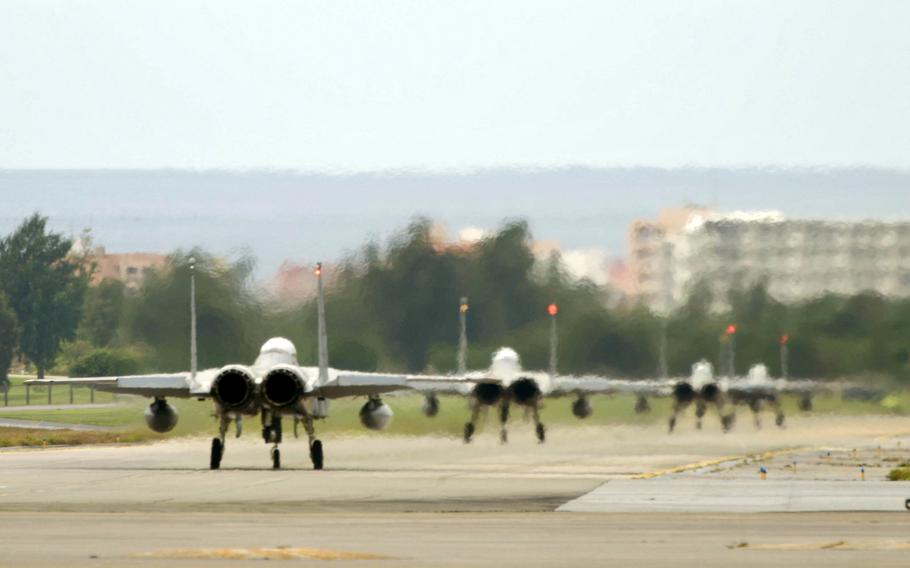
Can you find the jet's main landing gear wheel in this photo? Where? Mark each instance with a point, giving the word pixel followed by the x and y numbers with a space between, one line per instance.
pixel 217 452
pixel 316 454
pixel 468 432
pixel 541 433
pixel 276 458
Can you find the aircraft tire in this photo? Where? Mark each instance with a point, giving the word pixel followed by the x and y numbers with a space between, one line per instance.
pixel 276 458
pixel 468 432
pixel 217 452
pixel 316 454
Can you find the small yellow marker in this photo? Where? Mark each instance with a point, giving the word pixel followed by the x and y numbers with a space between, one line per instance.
pixel 763 473
pixel 862 473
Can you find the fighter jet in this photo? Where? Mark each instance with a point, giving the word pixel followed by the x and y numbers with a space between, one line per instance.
pixel 506 383
pixel 273 387
pixel 757 389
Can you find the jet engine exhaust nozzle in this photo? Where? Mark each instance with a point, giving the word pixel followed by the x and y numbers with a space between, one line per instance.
pixel 282 387
pixel 234 388
pixel 524 391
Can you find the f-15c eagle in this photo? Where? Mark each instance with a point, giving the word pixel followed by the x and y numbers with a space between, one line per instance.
pixel 274 386
pixel 506 383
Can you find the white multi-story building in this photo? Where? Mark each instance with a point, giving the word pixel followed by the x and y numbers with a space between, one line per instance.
pixel 798 258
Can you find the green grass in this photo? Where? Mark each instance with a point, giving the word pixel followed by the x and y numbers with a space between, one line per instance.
pixel 15 437
pixel 60 394
pixel 196 416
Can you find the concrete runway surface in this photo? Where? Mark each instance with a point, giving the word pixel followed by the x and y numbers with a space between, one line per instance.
pixel 397 501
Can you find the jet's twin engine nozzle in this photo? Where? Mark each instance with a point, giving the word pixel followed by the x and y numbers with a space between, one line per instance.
pixel 524 391
pixel 234 388
pixel 683 392
pixel 488 393
pixel 283 386
pixel 710 392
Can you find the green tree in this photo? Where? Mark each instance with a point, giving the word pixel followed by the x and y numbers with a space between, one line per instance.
pixel 9 339
pixel 103 312
pixel 46 287
pixel 104 363
pixel 231 322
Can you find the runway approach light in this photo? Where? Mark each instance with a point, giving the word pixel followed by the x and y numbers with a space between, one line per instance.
pixel 731 330
pixel 553 309
pixel 463 307
pixel 318 270
pixel 784 339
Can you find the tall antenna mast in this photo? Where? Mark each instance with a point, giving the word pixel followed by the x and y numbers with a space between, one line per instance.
pixel 194 364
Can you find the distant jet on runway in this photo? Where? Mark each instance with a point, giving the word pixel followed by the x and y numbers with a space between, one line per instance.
pixel 505 383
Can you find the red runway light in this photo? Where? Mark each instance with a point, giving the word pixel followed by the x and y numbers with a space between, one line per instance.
pixel 552 309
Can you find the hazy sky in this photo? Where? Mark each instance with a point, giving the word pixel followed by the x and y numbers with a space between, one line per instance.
pixel 356 86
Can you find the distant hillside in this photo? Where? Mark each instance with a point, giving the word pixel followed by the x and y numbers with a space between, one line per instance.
pixel 277 215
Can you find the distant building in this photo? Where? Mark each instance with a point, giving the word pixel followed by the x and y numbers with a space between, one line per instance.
pixel 799 258
pixel 296 283
pixel 130 268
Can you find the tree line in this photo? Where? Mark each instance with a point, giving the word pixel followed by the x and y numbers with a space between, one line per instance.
pixel 394 306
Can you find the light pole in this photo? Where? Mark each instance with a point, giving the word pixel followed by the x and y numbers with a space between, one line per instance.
pixel 730 335
pixel 553 310
pixel 662 369
pixel 784 355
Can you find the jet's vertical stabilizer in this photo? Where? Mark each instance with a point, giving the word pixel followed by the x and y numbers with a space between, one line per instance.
pixel 462 362
pixel 553 310
pixel 194 364
pixel 323 336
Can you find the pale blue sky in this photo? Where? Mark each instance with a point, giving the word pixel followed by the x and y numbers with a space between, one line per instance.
pixel 355 86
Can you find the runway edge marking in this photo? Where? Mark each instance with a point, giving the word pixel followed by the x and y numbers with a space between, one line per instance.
pixel 729 459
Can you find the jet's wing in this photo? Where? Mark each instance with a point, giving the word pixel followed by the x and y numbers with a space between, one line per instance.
pixel 449 384
pixel 353 383
pixel 177 385
pixel 566 385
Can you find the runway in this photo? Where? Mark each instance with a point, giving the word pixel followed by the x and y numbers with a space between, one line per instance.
pixel 402 501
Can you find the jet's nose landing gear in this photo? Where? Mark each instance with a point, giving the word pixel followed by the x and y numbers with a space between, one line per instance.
pixel 271 433
pixel 276 458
